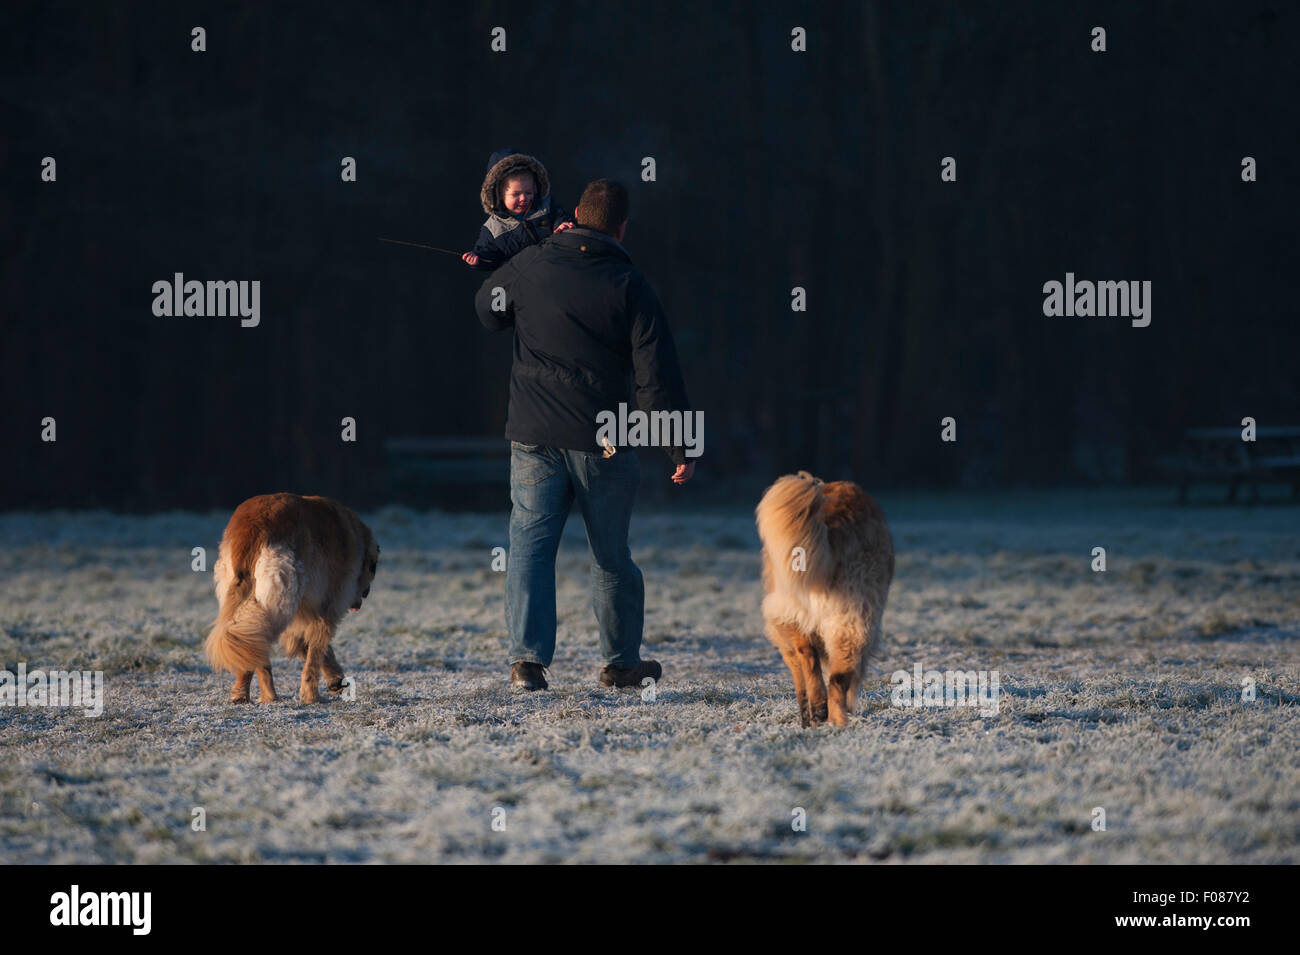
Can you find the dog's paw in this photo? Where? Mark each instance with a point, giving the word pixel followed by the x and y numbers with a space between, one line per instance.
pixel 239 698
pixel 308 695
pixel 267 698
pixel 819 714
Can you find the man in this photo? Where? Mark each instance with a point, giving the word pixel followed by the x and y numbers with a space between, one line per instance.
pixel 587 324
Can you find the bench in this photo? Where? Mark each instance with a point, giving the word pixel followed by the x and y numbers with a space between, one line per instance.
pixel 449 472
pixel 1219 455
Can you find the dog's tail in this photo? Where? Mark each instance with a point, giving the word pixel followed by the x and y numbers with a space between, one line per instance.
pixel 793 533
pixel 257 603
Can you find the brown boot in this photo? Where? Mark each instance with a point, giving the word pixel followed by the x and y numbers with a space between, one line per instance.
pixel 632 676
pixel 528 676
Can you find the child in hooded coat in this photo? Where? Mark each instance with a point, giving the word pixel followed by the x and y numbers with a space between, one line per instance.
pixel 516 195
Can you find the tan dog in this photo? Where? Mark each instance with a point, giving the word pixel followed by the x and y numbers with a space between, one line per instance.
pixel 289 567
pixel 828 561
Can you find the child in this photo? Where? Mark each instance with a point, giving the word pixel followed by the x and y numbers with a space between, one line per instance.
pixel 516 195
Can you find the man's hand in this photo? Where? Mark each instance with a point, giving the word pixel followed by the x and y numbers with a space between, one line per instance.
pixel 471 258
pixel 684 472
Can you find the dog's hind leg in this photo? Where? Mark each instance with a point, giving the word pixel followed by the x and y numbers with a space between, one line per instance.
pixel 317 635
pixel 239 692
pixel 309 690
pixel 849 641
pixel 842 691
pixel 806 648
pixel 848 644
pixel 786 637
pixel 796 670
pixel 265 686
pixel 333 672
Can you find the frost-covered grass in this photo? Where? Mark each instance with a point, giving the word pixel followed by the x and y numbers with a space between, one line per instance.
pixel 1120 690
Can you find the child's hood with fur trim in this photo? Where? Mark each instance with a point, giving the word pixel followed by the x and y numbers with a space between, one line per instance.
pixel 504 234
pixel 501 169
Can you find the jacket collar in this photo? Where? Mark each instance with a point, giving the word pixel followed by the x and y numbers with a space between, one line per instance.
pixel 583 233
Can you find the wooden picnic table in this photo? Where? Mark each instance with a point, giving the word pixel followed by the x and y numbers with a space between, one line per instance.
pixel 1219 455
pixel 452 472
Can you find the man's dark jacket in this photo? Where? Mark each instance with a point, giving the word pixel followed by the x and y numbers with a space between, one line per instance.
pixel 588 330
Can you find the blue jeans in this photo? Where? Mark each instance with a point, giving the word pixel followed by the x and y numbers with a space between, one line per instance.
pixel 544 482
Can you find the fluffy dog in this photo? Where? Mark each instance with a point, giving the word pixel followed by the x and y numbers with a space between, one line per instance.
pixel 828 561
pixel 289 567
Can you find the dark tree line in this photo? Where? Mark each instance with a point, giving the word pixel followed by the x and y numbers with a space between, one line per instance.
pixel 775 169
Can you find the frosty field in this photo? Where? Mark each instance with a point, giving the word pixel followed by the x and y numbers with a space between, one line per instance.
pixel 1120 690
